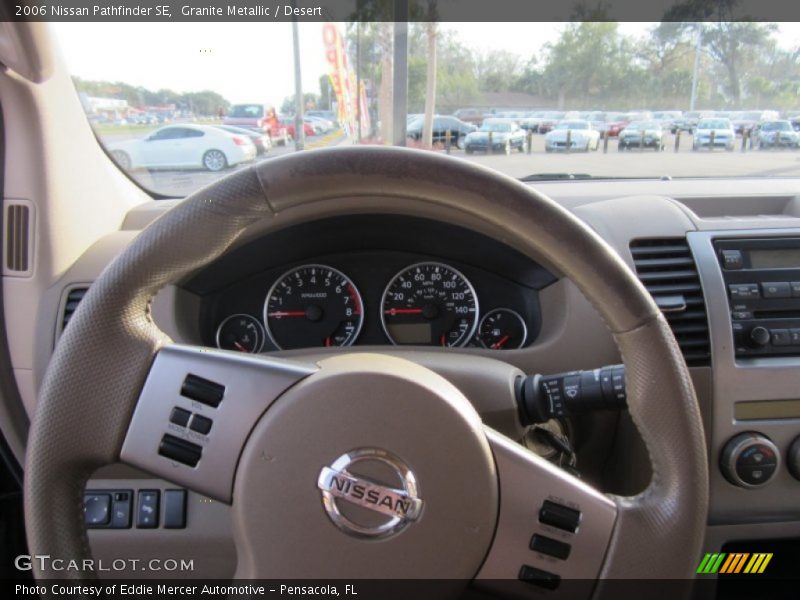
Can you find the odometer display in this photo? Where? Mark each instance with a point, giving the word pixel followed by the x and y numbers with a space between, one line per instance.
pixel 313 305
pixel 429 304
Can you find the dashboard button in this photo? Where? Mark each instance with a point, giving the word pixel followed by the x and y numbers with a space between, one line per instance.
pixel 121 509
pixel 179 416
pixel 732 260
pixel 794 337
pixel 744 291
pixel 780 337
pixel 147 510
pixel 180 450
pixel 174 509
pixel 97 509
pixel 538 577
pixel 559 516
pixel 549 546
pixel 756 475
pixel 795 289
pixel 776 289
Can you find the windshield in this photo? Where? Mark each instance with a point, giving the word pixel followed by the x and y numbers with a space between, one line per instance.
pixel 134 78
pixel 777 126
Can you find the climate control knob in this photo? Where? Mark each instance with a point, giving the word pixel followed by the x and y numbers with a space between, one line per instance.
pixel 749 460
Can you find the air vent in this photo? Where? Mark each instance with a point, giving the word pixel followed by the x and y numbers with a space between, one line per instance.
pixel 74 297
pixel 667 269
pixel 17 238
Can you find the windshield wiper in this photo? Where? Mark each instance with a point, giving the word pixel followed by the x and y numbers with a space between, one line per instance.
pixel 558 176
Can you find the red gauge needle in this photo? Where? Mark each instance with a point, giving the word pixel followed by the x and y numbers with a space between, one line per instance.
pixel 442 340
pixel 403 311
pixel 239 347
pixel 287 313
pixel 501 342
pixel 328 342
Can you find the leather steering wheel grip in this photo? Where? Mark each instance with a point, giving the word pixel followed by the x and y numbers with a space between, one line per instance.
pixel 100 364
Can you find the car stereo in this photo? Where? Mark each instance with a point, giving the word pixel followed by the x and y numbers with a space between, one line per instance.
pixel 762 278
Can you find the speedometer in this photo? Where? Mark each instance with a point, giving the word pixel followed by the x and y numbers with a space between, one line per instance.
pixel 313 305
pixel 429 304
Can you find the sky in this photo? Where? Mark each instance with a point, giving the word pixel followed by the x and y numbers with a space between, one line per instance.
pixel 252 62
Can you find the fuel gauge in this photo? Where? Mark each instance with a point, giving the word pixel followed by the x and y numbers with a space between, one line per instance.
pixel 502 329
pixel 243 333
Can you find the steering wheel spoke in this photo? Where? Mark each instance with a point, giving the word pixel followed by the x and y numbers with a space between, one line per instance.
pixel 197 408
pixel 551 525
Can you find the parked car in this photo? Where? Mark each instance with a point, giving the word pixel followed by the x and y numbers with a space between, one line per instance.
pixel 644 134
pixel 260 117
pixel 287 122
pixel 532 120
pixel 474 116
pixel 580 133
pixel 328 115
pixel 505 134
pixel 319 124
pixel 714 133
pixel 184 146
pixel 261 141
pixel 441 125
pixel 689 121
pixel 549 121
pixel 615 122
pixel 749 119
pixel 776 134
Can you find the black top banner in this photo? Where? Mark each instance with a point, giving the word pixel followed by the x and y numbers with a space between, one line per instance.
pixel 402 10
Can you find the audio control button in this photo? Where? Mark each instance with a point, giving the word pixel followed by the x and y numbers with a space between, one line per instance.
pixel 795 289
pixel 780 337
pixel 776 289
pixel 744 291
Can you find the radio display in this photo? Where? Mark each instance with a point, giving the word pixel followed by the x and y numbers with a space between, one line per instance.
pixel 778 258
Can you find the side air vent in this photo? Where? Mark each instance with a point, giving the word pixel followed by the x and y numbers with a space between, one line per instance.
pixel 18 238
pixel 74 297
pixel 668 271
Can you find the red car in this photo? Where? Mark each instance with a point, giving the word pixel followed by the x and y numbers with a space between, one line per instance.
pixel 616 123
pixel 288 124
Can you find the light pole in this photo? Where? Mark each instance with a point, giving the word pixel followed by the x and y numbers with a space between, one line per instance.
pixel 698 43
pixel 299 133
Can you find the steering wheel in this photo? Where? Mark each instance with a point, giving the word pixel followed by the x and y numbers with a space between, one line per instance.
pixel 361 465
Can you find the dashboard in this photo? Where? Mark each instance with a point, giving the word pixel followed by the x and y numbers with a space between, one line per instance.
pixel 367 280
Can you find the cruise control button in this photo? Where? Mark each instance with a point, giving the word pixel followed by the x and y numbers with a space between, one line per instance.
pixel 201 424
pixel 559 516
pixel 202 390
pixel 538 577
pixel 549 546
pixel 180 450
pixel 179 416
pixel 776 289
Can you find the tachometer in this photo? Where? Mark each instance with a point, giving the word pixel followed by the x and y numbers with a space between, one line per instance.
pixel 313 305
pixel 429 304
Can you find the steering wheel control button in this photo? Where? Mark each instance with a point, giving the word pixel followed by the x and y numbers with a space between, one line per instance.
pixel 97 509
pixel 559 516
pixel 549 546
pixel 175 509
pixel 201 424
pixel 147 509
pixel 180 450
pixel 749 460
pixel 396 499
pixel 538 577
pixel 179 416
pixel 202 390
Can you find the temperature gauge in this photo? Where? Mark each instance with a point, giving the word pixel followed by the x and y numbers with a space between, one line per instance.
pixel 243 333
pixel 502 329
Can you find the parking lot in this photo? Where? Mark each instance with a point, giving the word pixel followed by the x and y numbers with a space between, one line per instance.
pixel 611 163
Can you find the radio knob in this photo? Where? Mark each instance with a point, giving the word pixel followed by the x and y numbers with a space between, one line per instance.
pixel 759 336
pixel 749 460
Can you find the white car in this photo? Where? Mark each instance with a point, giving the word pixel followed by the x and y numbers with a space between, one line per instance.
pixel 184 146
pixel 582 137
pixel 714 133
